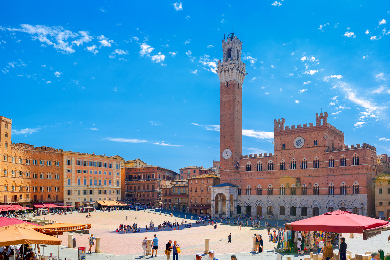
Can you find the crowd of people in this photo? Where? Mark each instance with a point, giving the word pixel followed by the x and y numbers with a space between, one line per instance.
pixel 18 252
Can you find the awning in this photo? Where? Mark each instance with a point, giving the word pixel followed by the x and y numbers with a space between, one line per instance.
pixel 39 206
pixel 15 235
pixel 12 221
pixel 60 228
pixel 111 203
pixel 51 206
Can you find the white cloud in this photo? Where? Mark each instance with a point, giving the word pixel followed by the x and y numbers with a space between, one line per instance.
pixel 380 76
pixel 158 58
pixel 336 113
pixel 276 3
pixel 334 98
pixel 165 144
pixel 57 74
pixel 374 38
pixel 187 41
pixel 155 123
pixel 379 90
pixel 302 90
pixel 350 34
pixel 189 53
pixel 125 140
pixel 194 72
pixel 188 17
pixel 303 58
pixel 311 72
pixel 367 31
pixel 211 64
pixel 272 66
pixel 210 46
pixel 323 26
pixel 255 150
pixel 178 6
pixel 327 78
pixel 257 134
pixel 26 131
pixel 251 59
pixel 384 139
pixel 145 49
pixel 85 37
pixel 105 42
pixel 48 82
pixel 172 53
pixel 94 129
pixel 120 52
pixel 254 78
pixel 307 82
pixel 135 38
pixel 115 89
pixel 359 124
pixel 383 21
pixel 297 101
pixel 92 49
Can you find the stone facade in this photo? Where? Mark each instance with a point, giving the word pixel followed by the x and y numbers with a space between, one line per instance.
pixel 200 193
pixel 311 168
pixel 382 196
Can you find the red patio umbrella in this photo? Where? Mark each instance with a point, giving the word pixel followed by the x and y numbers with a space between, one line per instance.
pixel 12 221
pixel 337 222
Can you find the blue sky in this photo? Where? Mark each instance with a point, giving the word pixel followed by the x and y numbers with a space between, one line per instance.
pixel 137 78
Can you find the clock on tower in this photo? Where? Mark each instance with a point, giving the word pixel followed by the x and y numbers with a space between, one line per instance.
pixel 231 72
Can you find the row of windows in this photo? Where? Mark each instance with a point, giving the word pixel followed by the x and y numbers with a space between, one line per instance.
pixel 91 172
pixel 91 192
pixel 293 190
pixel 28 175
pixel 144 187
pixel 33 189
pixel 94 182
pixel 29 161
pixel 303 165
pixel 92 164
pixel 293 210
pixel 380 191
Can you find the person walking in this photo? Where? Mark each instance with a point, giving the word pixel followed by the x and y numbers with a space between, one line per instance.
pixel 174 251
pixel 198 256
pixel 261 245
pixel 155 245
pixel 257 243
pixel 168 249
pixel 343 249
pixel 230 238
pixel 321 245
pixel 91 243
pixel 144 244
pixel 328 251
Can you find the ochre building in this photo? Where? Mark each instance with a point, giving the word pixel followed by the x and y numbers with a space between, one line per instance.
pixel 28 174
pixel 200 193
pixel 89 178
pixel 310 172
pixel 382 196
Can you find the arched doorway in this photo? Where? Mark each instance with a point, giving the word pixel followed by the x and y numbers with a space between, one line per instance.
pixel 220 204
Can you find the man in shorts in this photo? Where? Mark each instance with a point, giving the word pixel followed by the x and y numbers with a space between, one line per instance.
pixel 155 245
pixel 90 242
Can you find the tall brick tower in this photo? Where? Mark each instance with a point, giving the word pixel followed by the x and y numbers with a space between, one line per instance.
pixel 231 72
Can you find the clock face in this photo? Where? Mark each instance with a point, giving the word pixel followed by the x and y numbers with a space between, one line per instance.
pixel 226 154
pixel 299 142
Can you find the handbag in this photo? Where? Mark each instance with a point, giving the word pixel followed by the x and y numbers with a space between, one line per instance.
pixel 178 250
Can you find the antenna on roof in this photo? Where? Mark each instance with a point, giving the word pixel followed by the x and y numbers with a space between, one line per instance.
pixel 321 109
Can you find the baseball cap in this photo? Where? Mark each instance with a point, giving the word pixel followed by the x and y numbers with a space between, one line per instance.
pixel 199 254
pixel 233 256
pixel 211 251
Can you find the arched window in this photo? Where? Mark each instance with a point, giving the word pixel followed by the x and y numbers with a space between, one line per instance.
pixel 355 159
pixel 239 191
pixel 248 166
pixel 316 189
pixel 248 190
pixel 331 189
pixel 293 211
pixel 316 163
pixel 343 161
pixel 331 162
pixel 343 189
pixel 259 167
pixel 282 190
pixel 293 190
pixel 293 164
pixel 270 190
pixel 304 164
pixel 355 187
pixel 282 165
pixel 270 166
pixel 304 189
pixel 259 190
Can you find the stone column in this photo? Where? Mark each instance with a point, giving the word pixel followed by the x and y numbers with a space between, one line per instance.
pixel 148 247
pixel 219 205
pixel 70 241
pixel 234 207
pixel 97 247
pixel 206 245
pixel 228 208
pixel 254 244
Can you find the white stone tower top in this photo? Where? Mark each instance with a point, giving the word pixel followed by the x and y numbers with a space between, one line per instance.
pixel 231 67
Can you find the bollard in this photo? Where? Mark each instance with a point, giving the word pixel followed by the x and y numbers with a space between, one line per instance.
pixel 351 235
pixel 311 255
pixel 206 245
pixel 315 257
pixel 148 247
pixel 254 244
pixel 97 248
pixel 70 241
pixel 191 217
pixel 288 257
